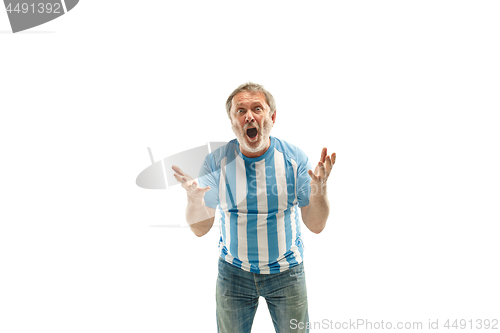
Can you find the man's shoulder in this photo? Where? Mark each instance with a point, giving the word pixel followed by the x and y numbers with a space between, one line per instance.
pixel 289 149
pixel 222 151
pixel 213 160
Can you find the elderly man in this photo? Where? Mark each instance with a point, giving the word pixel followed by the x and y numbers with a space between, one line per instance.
pixel 256 182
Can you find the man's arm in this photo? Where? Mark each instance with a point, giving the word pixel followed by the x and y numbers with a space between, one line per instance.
pixel 199 217
pixel 316 213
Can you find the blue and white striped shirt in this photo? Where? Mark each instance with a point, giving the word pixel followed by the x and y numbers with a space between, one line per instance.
pixel 257 202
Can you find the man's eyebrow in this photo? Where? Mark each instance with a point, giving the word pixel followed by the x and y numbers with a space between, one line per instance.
pixel 251 103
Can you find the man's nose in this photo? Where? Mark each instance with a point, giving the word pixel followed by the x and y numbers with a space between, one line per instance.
pixel 249 117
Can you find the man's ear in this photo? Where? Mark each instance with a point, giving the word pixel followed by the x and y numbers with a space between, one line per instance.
pixel 273 117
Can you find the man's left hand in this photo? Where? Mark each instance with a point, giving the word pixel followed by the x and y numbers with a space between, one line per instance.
pixel 322 171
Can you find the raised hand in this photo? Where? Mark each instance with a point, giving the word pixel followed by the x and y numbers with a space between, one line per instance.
pixel 189 184
pixel 322 170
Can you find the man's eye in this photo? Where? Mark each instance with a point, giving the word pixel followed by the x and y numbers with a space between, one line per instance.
pixel 258 109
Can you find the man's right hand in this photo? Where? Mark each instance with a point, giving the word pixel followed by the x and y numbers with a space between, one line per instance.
pixel 189 184
pixel 199 217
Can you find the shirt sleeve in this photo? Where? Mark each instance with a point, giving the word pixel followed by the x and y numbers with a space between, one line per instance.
pixel 208 177
pixel 303 178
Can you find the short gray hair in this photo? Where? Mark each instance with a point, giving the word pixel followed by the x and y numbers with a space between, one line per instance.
pixel 252 87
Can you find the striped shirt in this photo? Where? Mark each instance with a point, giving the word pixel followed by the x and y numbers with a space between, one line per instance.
pixel 257 202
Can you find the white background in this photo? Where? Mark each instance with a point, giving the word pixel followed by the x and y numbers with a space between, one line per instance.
pixel 406 93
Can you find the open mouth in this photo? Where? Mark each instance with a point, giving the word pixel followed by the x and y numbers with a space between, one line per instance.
pixel 252 132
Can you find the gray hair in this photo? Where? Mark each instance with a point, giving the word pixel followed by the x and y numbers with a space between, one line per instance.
pixel 252 87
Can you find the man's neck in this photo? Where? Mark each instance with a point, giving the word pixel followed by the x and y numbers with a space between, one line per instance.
pixel 256 154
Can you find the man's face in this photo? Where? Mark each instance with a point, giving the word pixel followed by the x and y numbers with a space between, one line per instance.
pixel 251 122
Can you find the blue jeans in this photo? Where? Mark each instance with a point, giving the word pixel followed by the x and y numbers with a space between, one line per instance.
pixel 238 292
